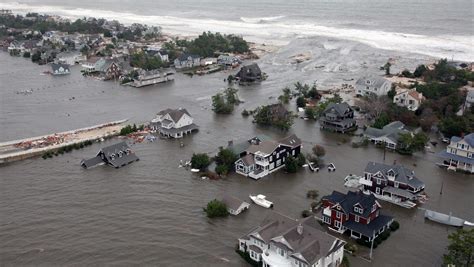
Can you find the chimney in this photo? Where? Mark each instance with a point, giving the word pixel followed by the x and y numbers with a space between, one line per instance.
pixel 299 229
pixel 230 143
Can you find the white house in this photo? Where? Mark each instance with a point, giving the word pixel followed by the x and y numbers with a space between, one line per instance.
pixel 469 100
pixel 409 98
pixel 173 123
pixel 459 154
pixel 234 205
pixel 372 85
pixel 282 241
pixel 60 69
pixel 187 61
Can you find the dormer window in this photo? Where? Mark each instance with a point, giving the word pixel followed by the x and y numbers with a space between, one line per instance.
pixel 358 210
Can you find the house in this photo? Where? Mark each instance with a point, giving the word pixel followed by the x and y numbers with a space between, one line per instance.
pixel 230 61
pixel 187 61
pixel 261 158
pixel 459 154
pixel 408 98
pixel 90 65
pixel 283 241
pixel 173 123
pixel 355 213
pixel 338 117
pixel 372 85
pixel 234 205
pixel 249 73
pixel 152 77
pixel 70 58
pixel 392 183
pixel 388 135
pixel 60 69
pixel 469 100
pixel 108 68
pixel 117 155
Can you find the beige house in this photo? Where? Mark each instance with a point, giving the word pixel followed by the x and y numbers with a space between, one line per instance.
pixel 459 154
pixel 408 98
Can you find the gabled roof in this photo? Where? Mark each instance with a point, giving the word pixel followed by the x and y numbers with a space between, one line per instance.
pixel 391 131
pixel 266 147
pixel 374 81
pixel 175 114
pixel 111 153
pixel 242 146
pixel 232 202
pixel 291 141
pixel 184 57
pixel 349 200
pixel 303 239
pixel 339 108
pixel 468 139
pixel 57 66
pixel 402 174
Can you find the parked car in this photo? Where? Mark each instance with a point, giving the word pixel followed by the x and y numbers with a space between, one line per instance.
pixel 331 167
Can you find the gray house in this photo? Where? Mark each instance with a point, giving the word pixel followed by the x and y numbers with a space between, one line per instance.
pixel 234 205
pixel 338 118
pixel 187 61
pixel 388 135
pixel 117 155
pixel 372 85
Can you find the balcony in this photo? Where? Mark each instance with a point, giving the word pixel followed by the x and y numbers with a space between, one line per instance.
pixel 257 174
pixel 327 212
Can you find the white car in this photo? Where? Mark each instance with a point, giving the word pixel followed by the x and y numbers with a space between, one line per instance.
pixel 331 167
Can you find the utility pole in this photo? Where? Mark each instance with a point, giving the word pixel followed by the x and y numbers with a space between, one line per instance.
pixel 372 244
pixel 384 151
pixel 441 191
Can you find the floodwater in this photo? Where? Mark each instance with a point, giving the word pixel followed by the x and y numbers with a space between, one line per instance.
pixel 53 212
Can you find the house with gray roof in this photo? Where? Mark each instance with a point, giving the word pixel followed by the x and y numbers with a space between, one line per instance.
pixel 356 213
pixel 249 73
pixel 173 123
pixel 459 154
pixel 283 241
pixel 60 69
pixel 186 61
pixel 116 155
pixel 372 85
pixel 262 156
pixel 229 61
pixel 393 183
pixel 234 205
pixel 388 135
pixel 338 117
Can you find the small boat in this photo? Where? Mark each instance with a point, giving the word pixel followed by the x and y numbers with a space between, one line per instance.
pixel 261 201
pixel 445 219
pixel 195 170
pixel 331 167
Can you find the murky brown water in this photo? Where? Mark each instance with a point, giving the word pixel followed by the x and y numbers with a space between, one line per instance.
pixel 52 212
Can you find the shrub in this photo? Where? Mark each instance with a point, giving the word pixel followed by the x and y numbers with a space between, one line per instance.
pixel 291 164
pixel 222 169
pixel 200 161
pixel 245 113
pixel 319 151
pixel 216 208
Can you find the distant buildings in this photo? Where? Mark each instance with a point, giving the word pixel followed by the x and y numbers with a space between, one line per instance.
pixel 261 156
pixel 282 241
pixel 186 61
pixel 152 77
pixel 229 61
pixel 173 123
pixel 469 101
pixel 372 85
pixel 338 118
pixel 408 98
pixel 388 135
pixel 249 73
pixel 117 155
pixel 356 213
pixel 60 69
pixel 459 154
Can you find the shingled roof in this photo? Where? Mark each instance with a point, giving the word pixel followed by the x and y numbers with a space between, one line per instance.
pixel 349 200
pixel 402 174
pixel 175 114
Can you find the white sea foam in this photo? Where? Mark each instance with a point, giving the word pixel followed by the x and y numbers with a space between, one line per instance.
pixel 277 30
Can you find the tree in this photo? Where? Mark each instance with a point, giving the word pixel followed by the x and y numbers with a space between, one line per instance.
pixel 200 161
pixel 408 143
pixel 273 115
pixel 419 71
pixel 391 94
pixel 460 248
pixel 381 121
pixel 291 164
pixel 311 113
pixel 386 67
pixel 26 55
pixel 301 159
pixel 216 208
pixel 406 73
pixel 286 96
pixel 225 160
pixel 319 151
pixel 223 103
pixel 453 126
pixel 36 56
pixel 301 102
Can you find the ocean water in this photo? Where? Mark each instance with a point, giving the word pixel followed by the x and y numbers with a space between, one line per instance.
pixel 435 28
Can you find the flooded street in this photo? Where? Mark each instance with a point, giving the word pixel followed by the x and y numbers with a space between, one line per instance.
pixel 53 212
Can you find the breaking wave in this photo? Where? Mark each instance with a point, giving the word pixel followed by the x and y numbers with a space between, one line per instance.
pixel 277 31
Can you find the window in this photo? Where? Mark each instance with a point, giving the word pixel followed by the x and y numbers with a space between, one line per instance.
pixel 358 210
pixel 327 219
pixel 337 224
pixel 396 184
pixel 379 181
pixel 357 218
pixel 338 214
